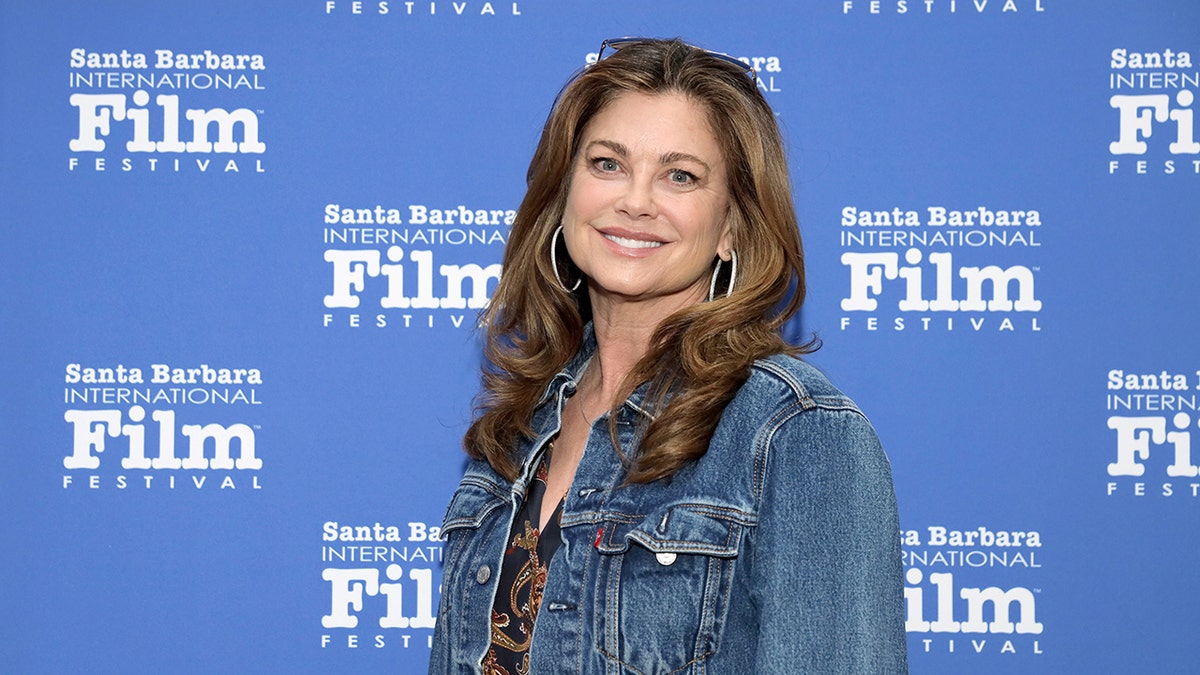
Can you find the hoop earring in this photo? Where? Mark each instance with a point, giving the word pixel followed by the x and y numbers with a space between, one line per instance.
pixel 712 285
pixel 554 262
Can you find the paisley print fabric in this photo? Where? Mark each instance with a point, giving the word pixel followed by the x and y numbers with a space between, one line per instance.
pixel 522 578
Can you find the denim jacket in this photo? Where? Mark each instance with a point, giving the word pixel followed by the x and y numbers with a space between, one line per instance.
pixel 775 552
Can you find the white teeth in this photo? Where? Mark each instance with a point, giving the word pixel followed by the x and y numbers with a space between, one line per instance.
pixel 632 243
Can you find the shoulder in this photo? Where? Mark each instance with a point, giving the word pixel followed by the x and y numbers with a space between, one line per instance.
pixel 783 381
pixel 795 415
pixel 786 426
pixel 812 446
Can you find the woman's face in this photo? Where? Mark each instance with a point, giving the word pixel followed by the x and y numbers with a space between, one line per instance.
pixel 646 209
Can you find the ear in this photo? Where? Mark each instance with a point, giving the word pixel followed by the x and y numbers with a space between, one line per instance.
pixel 725 243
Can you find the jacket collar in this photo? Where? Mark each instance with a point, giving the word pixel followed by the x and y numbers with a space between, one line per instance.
pixel 570 374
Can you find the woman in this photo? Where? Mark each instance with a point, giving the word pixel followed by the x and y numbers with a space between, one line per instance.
pixel 658 484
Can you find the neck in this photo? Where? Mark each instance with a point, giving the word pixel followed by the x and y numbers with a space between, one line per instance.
pixel 623 333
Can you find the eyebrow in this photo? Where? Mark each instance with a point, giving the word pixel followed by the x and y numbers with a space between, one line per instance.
pixel 666 158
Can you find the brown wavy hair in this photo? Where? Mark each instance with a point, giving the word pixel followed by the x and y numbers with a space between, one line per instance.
pixel 700 355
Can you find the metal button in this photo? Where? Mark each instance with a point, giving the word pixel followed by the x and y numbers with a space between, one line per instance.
pixel 483 574
pixel 665 558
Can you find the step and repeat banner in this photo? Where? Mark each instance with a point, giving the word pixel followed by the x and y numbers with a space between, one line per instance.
pixel 246 245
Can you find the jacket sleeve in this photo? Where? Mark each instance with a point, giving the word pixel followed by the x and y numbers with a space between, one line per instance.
pixel 825 562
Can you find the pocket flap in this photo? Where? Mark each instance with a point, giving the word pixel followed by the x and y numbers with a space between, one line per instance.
pixel 689 528
pixel 470 505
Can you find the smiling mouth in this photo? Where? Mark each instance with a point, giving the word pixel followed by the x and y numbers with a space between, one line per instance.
pixel 632 243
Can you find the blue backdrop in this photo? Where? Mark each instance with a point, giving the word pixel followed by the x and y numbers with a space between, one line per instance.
pixel 245 245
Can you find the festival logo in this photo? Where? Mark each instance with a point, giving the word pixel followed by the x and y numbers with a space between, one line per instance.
pixel 380 581
pixel 426 9
pixel 1153 119
pixel 162 111
pixel 1150 422
pixel 941 269
pixel 161 427
pixel 415 267
pixel 768 70
pixel 942 8
pixel 972 591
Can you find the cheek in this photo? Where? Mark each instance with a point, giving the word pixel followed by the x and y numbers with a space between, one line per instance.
pixel 573 209
pixel 710 228
pixel 573 220
pixel 585 198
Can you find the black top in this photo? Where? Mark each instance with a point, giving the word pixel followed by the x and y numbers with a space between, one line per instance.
pixel 522 579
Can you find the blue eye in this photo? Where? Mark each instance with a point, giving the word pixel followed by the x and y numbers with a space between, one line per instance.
pixel 606 164
pixel 681 177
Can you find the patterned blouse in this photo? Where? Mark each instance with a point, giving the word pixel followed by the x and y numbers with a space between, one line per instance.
pixel 522 579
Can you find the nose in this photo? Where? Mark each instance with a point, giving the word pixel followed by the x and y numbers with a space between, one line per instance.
pixel 637 200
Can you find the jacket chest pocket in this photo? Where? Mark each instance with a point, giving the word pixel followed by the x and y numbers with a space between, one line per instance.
pixel 470 524
pixel 469 509
pixel 663 587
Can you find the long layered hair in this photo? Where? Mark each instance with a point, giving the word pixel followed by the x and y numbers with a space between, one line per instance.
pixel 699 356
